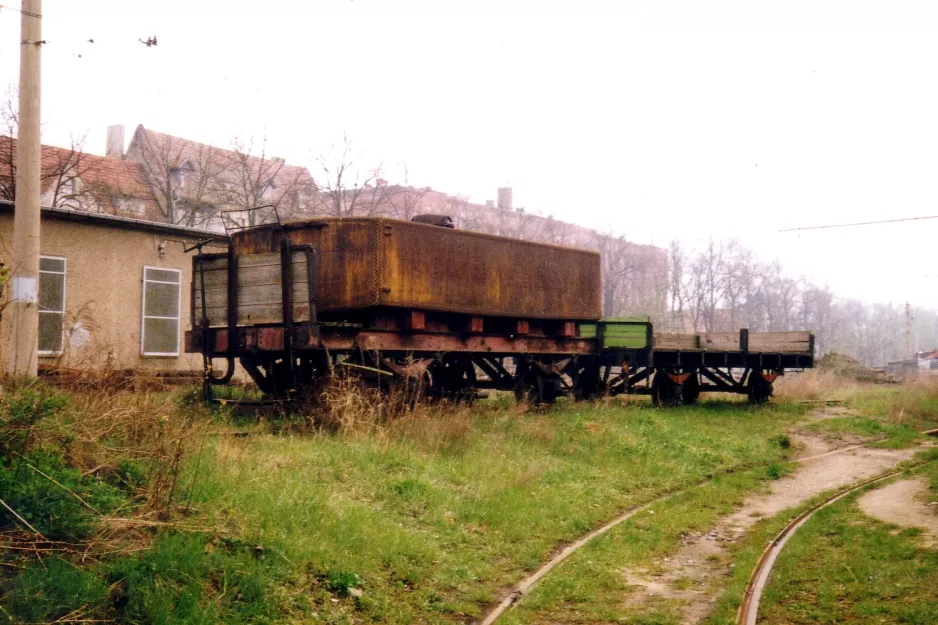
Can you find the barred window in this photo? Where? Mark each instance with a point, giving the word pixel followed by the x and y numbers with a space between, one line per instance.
pixel 51 304
pixel 161 311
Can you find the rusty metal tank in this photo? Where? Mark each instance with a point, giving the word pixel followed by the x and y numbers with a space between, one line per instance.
pixel 372 262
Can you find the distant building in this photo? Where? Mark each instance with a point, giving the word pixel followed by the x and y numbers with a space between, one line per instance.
pixel 194 183
pixel 114 292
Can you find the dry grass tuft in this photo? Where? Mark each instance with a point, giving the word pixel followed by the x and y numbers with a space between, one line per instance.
pixel 814 384
pixel 912 402
pixel 108 430
pixel 135 441
pixel 351 408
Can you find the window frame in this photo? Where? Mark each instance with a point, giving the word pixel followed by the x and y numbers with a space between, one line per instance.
pixel 64 274
pixel 144 316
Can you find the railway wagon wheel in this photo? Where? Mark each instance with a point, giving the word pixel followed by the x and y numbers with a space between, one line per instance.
pixel 589 382
pixel 758 388
pixel 411 380
pixel 452 378
pixel 691 389
pixel 665 392
pixel 534 386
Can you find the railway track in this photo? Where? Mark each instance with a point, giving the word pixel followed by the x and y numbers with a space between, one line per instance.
pixel 523 587
pixel 749 608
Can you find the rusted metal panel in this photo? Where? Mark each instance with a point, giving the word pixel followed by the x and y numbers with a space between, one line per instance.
pixel 460 271
pixel 367 262
pixel 263 339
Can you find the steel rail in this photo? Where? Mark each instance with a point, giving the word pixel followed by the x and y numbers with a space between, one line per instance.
pixel 749 607
pixel 523 587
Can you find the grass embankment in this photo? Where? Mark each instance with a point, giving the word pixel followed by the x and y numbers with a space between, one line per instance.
pixel 423 519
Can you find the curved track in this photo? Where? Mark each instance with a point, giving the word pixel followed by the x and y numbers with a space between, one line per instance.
pixel 749 608
pixel 525 585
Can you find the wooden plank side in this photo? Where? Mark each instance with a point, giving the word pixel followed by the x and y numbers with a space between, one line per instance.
pixel 720 341
pixel 259 292
pixel 254 294
pixel 761 342
pixel 630 335
pixel 783 348
pixel 675 341
pixel 769 341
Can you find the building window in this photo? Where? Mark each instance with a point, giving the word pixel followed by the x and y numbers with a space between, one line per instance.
pixel 51 304
pixel 161 311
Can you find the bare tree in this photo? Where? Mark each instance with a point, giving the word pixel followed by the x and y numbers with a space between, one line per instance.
pixel 709 279
pixel 618 267
pixel 254 179
pixel 678 289
pixel 345 189
pixel 182 178
pixel 62 170
pixel 403 201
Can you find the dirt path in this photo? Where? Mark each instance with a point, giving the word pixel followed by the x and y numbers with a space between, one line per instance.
pixel 691 579
pixel 906 504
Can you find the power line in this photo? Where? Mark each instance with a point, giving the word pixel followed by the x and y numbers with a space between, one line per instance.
pixel 859 223
pixel 72 40
pixel 20 11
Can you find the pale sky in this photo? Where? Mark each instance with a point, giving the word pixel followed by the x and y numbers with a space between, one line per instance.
pixel 657 120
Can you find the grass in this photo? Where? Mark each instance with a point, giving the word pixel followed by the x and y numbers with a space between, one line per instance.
pixel 592 586
pixel 420 519
pixel 842 567
pixel 435 515
pixel 427 518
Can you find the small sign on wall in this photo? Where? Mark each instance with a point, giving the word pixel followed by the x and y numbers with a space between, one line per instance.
pixel 24 289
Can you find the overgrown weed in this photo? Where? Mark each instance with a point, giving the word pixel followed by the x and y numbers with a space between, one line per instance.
pixel 814 384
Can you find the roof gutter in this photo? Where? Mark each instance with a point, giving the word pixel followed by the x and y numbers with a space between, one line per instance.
pixel 116 221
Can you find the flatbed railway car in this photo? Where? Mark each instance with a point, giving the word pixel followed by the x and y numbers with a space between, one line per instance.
pixel 443 312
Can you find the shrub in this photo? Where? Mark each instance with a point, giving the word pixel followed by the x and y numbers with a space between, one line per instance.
pixel 22 411
pixel 55 499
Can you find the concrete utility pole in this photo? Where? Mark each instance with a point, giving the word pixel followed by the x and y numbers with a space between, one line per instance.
pixel 908 332
pixel 25 270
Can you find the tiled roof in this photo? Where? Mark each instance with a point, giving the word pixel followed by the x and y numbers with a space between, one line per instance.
pixel 105 179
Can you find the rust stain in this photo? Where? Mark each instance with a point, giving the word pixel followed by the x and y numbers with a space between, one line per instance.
pixel 369 261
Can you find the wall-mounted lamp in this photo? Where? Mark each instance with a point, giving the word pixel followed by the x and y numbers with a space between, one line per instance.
pixel 161 248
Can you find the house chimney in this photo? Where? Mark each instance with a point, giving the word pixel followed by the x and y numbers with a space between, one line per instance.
pixel 115 142
pixel 504 198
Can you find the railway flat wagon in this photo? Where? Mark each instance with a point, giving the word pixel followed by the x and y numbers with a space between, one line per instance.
pixel 676 368
pixel 444 312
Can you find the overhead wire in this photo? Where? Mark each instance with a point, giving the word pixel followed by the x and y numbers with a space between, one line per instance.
pixel 860 223
pixel 21 11
pixel 149 41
